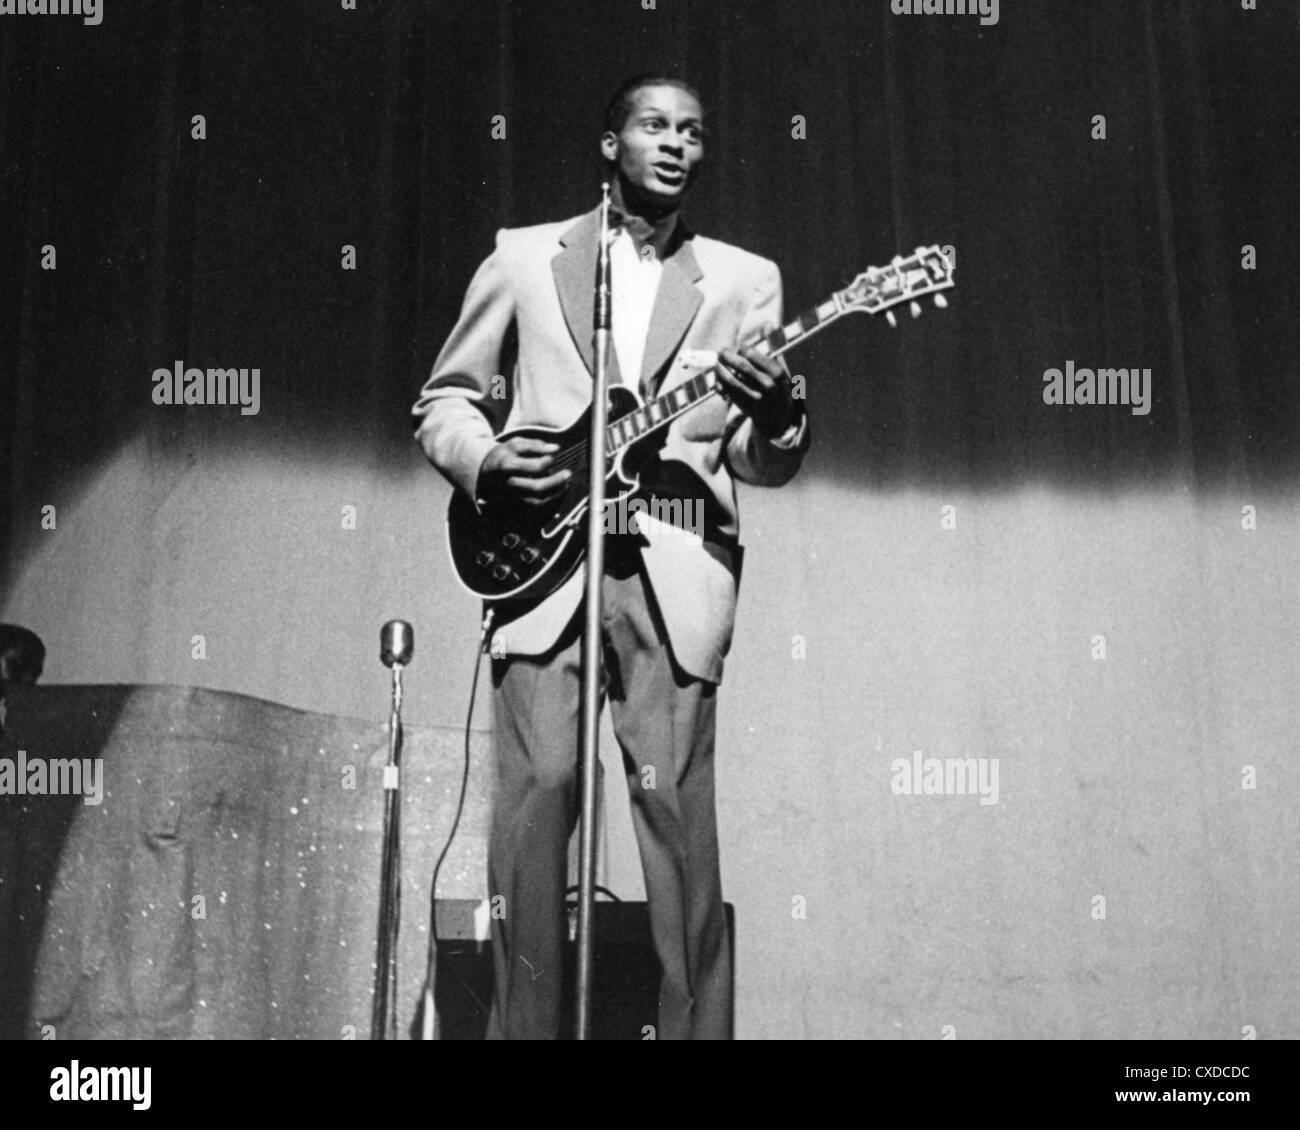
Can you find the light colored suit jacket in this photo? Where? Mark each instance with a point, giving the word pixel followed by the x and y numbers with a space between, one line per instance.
pixel 528 315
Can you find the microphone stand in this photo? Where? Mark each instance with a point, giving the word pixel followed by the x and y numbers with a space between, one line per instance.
pixel 591 663
pixel 395 651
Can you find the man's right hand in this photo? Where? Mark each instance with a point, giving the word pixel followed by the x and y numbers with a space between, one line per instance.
pixel 519 470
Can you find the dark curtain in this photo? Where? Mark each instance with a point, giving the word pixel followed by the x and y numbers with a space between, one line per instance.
pixel 374 128
pixel 867 632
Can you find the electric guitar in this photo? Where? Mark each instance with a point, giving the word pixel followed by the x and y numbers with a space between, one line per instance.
pixel 521 553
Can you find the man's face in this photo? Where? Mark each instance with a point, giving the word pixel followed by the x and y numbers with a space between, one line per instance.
pixel 660 147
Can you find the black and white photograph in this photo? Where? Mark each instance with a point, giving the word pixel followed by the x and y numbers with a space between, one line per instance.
pixel 639 520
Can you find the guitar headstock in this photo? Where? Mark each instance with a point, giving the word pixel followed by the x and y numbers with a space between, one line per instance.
pixel 878 290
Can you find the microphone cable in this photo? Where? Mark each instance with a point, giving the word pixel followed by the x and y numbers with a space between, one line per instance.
pixel 429 1013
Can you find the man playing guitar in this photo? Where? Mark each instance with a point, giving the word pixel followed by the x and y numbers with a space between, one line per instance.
pixel 668 600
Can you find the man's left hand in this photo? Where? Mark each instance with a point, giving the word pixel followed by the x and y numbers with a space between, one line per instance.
pixel 760 387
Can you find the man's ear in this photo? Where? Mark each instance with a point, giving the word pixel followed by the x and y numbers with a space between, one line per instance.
pixel 609 146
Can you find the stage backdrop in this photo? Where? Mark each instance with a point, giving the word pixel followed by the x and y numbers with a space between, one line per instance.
pixel 1101 600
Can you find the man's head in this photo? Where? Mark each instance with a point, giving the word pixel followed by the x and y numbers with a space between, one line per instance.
pixel 22 656
pixel 654 140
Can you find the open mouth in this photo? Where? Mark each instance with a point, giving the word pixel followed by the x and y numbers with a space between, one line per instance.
pixel 670 174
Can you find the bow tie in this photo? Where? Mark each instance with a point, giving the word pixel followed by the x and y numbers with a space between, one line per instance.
pixel 638 228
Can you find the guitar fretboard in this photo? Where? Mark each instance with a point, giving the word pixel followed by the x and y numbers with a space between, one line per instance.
pixel 664 409
pixel 875 291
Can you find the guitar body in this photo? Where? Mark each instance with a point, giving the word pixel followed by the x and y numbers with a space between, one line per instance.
pixel 515 555
pixel 520 554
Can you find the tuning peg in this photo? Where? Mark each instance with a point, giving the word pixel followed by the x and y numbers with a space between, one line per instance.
pixel 916 309
pixel 889 317
pixel 941 302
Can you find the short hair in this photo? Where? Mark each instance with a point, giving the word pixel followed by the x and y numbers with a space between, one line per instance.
pixel 621 105
pixel 22 655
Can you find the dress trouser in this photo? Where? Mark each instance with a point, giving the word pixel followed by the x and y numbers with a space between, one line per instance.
pixel 664 722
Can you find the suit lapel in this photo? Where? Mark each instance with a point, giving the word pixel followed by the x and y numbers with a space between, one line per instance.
pixel 676 302
pixel 574 270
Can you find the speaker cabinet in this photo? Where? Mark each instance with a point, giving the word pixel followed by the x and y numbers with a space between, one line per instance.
pixel 625 976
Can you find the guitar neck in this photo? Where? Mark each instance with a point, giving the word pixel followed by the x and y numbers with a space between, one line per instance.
pixel 876 291
pixel 663 410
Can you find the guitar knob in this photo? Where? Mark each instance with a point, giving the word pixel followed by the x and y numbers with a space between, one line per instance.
pixel 484 558
pixel 501 571
pixel 529 554
pixel 511 540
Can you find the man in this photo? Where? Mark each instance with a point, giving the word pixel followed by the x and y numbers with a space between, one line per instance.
pixel 668 600
pixel 22 660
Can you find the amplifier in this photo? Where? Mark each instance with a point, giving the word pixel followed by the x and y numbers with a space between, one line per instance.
pixel 625 974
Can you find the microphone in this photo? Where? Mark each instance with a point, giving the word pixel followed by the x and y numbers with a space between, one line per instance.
pixel 396 646
pixel 396 643
pixel 603 295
